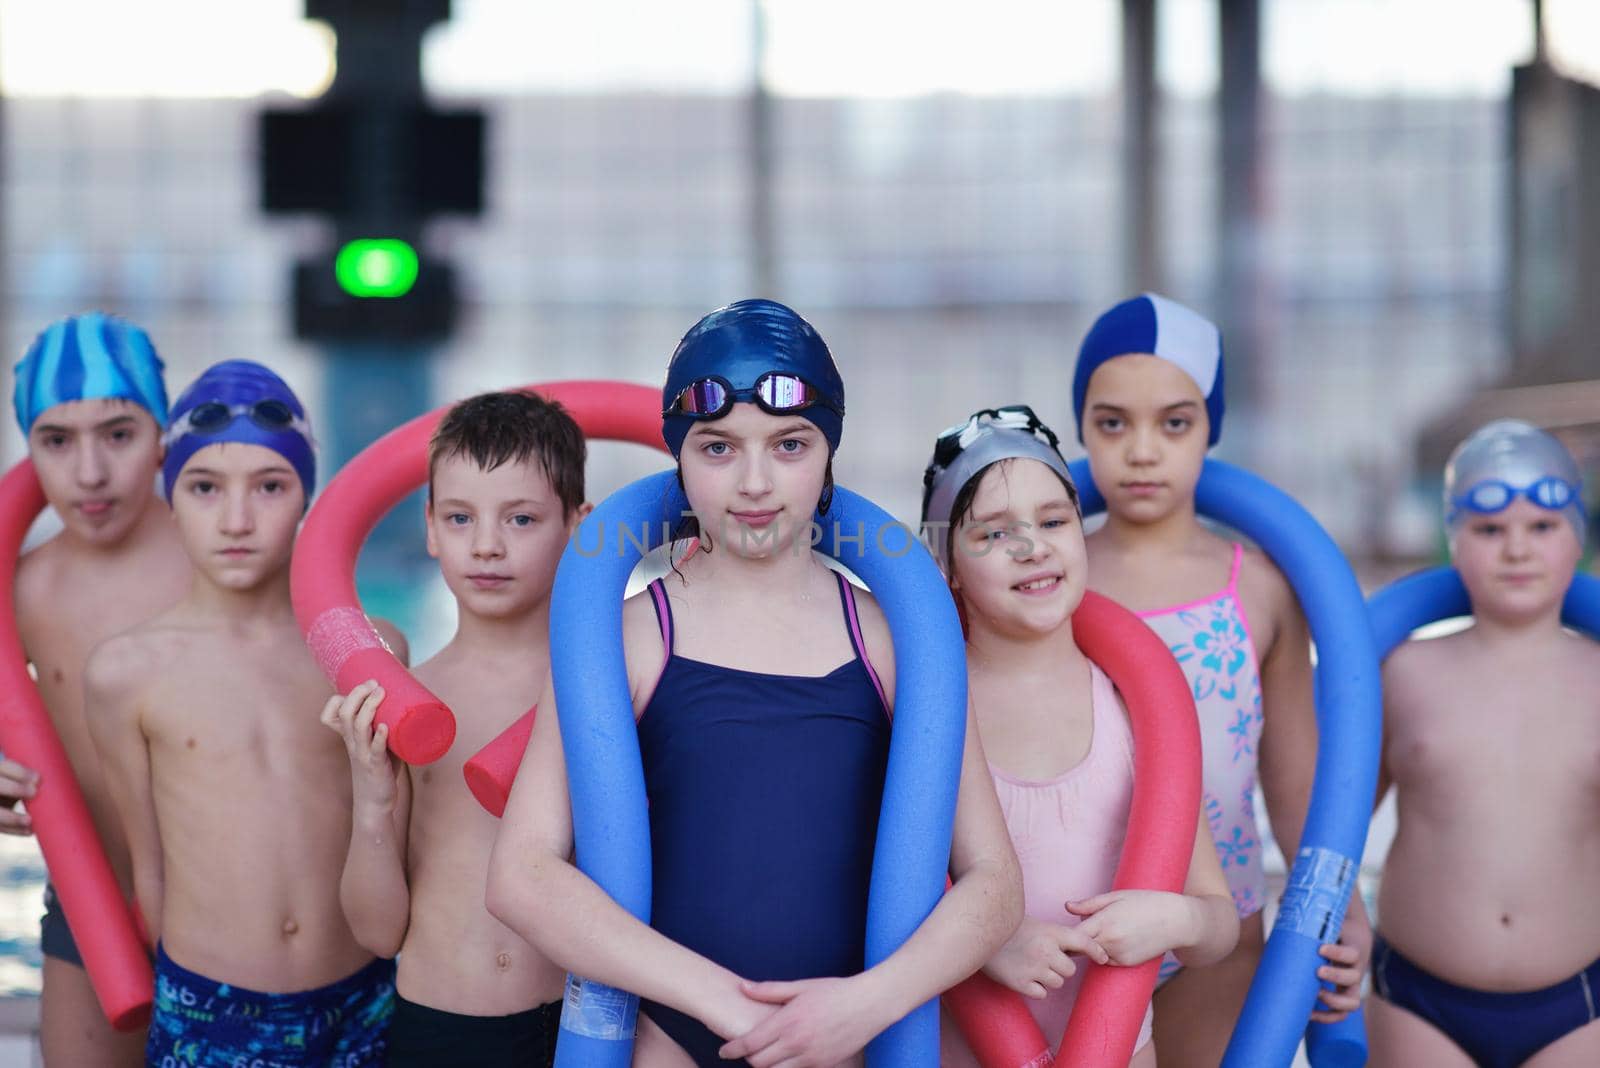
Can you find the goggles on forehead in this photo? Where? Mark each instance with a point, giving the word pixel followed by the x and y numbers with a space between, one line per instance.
pixel 213 417
pixel 776 393
pixel 1493 495
pixel 953 440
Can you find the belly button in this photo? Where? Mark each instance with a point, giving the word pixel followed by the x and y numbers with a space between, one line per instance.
pixel 502 961
pixel 1505 921
pixel 290 928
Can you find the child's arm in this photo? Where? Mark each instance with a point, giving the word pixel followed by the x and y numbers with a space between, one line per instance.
pixel 111 705
pixel 824 1021
pixel 1199 926
pixel 536 890
pixel 373 890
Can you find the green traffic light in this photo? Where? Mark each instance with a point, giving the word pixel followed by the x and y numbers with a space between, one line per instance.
pixel 376 267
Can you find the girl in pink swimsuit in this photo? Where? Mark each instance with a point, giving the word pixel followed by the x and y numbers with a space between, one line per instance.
pixel 1148 396
pixel 1005 519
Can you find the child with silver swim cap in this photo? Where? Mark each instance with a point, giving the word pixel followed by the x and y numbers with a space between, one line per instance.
pixel 1148 393
pixel 236 802
pixel 90 400
pixel 1007 530
pixel 1489 943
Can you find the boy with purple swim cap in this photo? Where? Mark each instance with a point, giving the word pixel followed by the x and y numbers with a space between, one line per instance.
pixel 90 401
pixel 236 802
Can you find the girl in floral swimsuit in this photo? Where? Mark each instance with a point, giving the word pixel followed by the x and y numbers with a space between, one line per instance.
pixel 1148 393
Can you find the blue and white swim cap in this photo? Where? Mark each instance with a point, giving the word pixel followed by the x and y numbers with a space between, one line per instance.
pixel 1507 459
pixel 740 345
pixel 89 357
pixel 1154 324
pixel 239 401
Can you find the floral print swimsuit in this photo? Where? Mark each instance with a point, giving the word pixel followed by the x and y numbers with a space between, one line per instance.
pixel 1211 640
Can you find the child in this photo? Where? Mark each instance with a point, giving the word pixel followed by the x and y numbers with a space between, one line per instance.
pixel 236 802
pixel 1490 933
pixel 764 728
pixel 505 491
pixel 91 403
pixel 1148 396
pixel 1005 512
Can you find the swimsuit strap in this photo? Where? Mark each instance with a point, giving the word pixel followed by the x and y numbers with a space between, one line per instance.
pixel 658 593
pixel 853 623
pixel 1233 571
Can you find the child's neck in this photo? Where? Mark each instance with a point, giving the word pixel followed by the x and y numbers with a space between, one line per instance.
pixel 993 651
pixel 517 637
pixel 266 602
pixel 1508 634
pixel 1171 533
pixel 789 568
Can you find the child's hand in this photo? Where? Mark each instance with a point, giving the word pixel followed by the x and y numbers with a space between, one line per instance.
pixel 17 784
pixel 1347 963
pixel 372 767
pixel 819 1023
pixel 1035 960
pixel 1137 925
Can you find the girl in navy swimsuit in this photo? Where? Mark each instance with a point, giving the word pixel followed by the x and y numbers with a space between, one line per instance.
pixel 761 682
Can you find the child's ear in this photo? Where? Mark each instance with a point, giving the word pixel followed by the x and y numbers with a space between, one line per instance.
pixel 579 514
pixel 427 525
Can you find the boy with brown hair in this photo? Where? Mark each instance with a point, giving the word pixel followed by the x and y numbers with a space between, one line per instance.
pixel 505 492
pixel 233 798
pixel 90 401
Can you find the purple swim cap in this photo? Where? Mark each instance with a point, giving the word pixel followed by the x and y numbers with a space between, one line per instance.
pixel 239 401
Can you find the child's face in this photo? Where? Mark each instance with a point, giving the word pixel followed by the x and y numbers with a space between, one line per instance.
pixel 1018 559
pixel 1517 564
pixel 1145 430
pixel 237 508
pixel 498 535
pixel 754 480
pixel 97 462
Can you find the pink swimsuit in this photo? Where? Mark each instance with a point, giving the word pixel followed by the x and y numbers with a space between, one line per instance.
pixel 1211 640
pixel 1068 832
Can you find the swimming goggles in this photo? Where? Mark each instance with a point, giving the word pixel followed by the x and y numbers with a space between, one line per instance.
pixel 1492 495
pixel 776 393
pixel 952 440
pixel 213 417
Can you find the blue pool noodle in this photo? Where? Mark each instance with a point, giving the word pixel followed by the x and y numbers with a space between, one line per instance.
pixel 610 824
pixel 1350 733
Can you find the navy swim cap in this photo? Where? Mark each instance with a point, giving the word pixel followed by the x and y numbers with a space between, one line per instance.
pixel 256 402
pixel 740 343
pixel 1150 323
pixel 89 357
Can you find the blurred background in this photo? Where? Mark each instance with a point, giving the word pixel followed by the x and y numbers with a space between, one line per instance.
pixel 1391 206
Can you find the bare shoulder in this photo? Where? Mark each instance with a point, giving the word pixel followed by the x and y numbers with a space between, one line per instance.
pixel 1583 653
pixel 1260 579
pixel 126 664
pixel 395 639
pixel 1418 662
pixel 38 572
pixel 643 645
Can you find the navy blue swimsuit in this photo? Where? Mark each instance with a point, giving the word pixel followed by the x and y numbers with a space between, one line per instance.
pixel 764 794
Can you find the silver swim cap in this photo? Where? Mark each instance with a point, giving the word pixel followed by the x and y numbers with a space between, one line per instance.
pixel 966 449
pixel 1507 459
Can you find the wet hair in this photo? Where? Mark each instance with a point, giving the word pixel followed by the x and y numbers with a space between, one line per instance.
pixel 514 426
pixel 962 506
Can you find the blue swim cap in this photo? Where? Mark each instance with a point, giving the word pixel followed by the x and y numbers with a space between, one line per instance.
pixel 1507 459
pixel 740 343
pixel 244 402
pixel 89 357
pixel 1153 324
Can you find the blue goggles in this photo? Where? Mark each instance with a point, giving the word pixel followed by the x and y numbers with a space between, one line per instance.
pixel 1492 495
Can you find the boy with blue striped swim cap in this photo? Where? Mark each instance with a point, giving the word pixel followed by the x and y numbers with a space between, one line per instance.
pixel 235 799
pixel 1489 940
pixel 90 401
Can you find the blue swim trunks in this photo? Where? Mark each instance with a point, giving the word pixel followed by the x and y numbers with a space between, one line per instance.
pixel 201 1023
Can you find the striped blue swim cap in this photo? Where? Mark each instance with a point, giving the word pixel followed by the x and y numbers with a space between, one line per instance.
pixel 89 357
pixel 1151 323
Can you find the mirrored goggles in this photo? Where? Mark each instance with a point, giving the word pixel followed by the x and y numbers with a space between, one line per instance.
pixel 1492 495
pixel 213 417
pixel 775 392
